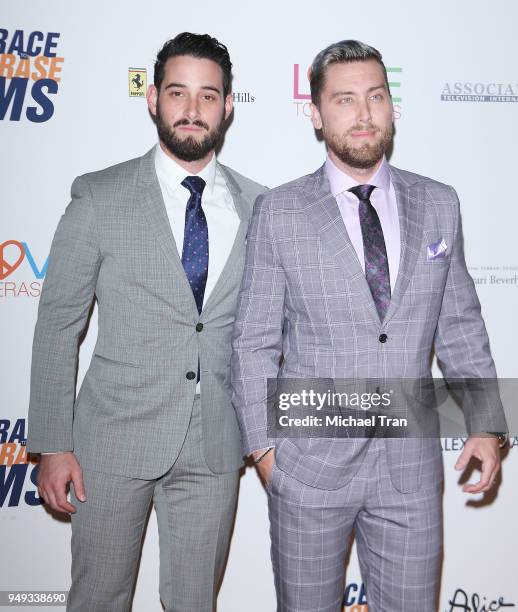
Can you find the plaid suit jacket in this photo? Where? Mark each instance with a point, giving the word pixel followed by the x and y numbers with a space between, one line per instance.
pixel 306 311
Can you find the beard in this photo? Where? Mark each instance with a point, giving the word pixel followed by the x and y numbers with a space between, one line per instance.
pixel 188 149
pixel 367 155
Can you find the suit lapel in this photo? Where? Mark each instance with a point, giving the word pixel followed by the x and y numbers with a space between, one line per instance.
pixel 326 216
pixel 244 210
pixel 409 199
pixel 156 214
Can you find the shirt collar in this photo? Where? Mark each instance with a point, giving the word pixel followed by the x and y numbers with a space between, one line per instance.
pixel 171 174
pixel 340 181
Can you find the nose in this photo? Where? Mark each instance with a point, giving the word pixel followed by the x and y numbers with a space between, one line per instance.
pixel 192 110
pixel 364 111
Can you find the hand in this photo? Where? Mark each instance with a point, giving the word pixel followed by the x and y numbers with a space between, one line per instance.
pixel 55 472
pixel 265 466
pixel 486 450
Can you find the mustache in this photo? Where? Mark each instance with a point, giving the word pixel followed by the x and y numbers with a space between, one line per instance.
pixel 370 127
pixel 197 123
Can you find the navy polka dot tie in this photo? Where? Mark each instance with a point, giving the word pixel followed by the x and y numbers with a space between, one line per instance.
pixel 195 254
pixel 375 253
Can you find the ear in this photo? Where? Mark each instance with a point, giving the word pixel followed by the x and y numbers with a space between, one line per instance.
pixel 316 119
pixel 152 97
pixel 229 105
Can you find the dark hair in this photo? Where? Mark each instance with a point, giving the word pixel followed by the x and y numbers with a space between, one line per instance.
pixel 201 46
pixel 342 52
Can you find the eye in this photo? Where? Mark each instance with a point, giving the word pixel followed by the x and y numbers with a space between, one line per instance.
pixel 176 93
pixel 377 97
pixel 345 100
pixel 209 97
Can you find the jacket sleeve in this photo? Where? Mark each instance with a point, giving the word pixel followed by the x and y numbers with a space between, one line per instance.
pixel 257 336
pixel 65 303
pixel 462 344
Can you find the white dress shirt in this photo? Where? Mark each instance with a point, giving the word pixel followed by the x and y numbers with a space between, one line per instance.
pixel 218 206
pixel 383 199
pixel 217 203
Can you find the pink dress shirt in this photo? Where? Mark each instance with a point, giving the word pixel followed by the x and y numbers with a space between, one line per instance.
pixel 383 199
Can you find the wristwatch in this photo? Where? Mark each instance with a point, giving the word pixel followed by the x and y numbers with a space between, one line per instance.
pixel 501 436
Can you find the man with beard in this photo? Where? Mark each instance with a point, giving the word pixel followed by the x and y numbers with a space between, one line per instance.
pixel 159 242
pixel 356 272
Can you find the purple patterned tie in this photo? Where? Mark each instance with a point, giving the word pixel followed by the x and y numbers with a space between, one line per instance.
pixel 374 251
pixel 195 255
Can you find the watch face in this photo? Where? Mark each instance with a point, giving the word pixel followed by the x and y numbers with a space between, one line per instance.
pixel 502 439
pixel 501 436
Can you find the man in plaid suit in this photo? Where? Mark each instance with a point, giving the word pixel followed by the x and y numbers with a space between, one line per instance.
pixel 356 272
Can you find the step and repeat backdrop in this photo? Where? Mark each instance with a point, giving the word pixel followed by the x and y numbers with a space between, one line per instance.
pixel 72 83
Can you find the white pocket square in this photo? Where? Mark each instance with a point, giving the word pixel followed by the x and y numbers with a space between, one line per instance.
pixel 436 250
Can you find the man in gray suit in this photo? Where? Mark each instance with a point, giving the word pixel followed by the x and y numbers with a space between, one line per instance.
pixel 357 272
pixel 159 241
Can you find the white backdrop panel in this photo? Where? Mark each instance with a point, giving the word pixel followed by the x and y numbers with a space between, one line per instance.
pixel 429 47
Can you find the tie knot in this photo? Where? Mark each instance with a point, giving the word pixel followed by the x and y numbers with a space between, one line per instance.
pixel 362 192
pixel 195 184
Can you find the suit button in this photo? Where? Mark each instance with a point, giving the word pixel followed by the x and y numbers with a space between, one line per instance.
pixel 199 327
pixel 190 375
pixel 383 338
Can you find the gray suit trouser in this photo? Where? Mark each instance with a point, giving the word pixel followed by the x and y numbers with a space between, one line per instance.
pixel 195 510
pixel 398 539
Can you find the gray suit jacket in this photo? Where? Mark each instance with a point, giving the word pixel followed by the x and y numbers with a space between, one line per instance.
pixel 305 297
pixel 131 415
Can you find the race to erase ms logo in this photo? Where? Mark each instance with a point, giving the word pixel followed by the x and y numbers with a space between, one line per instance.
pixel 18 474
pixel 30 73
pixel 302 95
pixel 17 260
pixel 355 599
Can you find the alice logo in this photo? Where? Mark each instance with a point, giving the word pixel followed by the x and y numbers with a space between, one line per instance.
pixel 462 601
